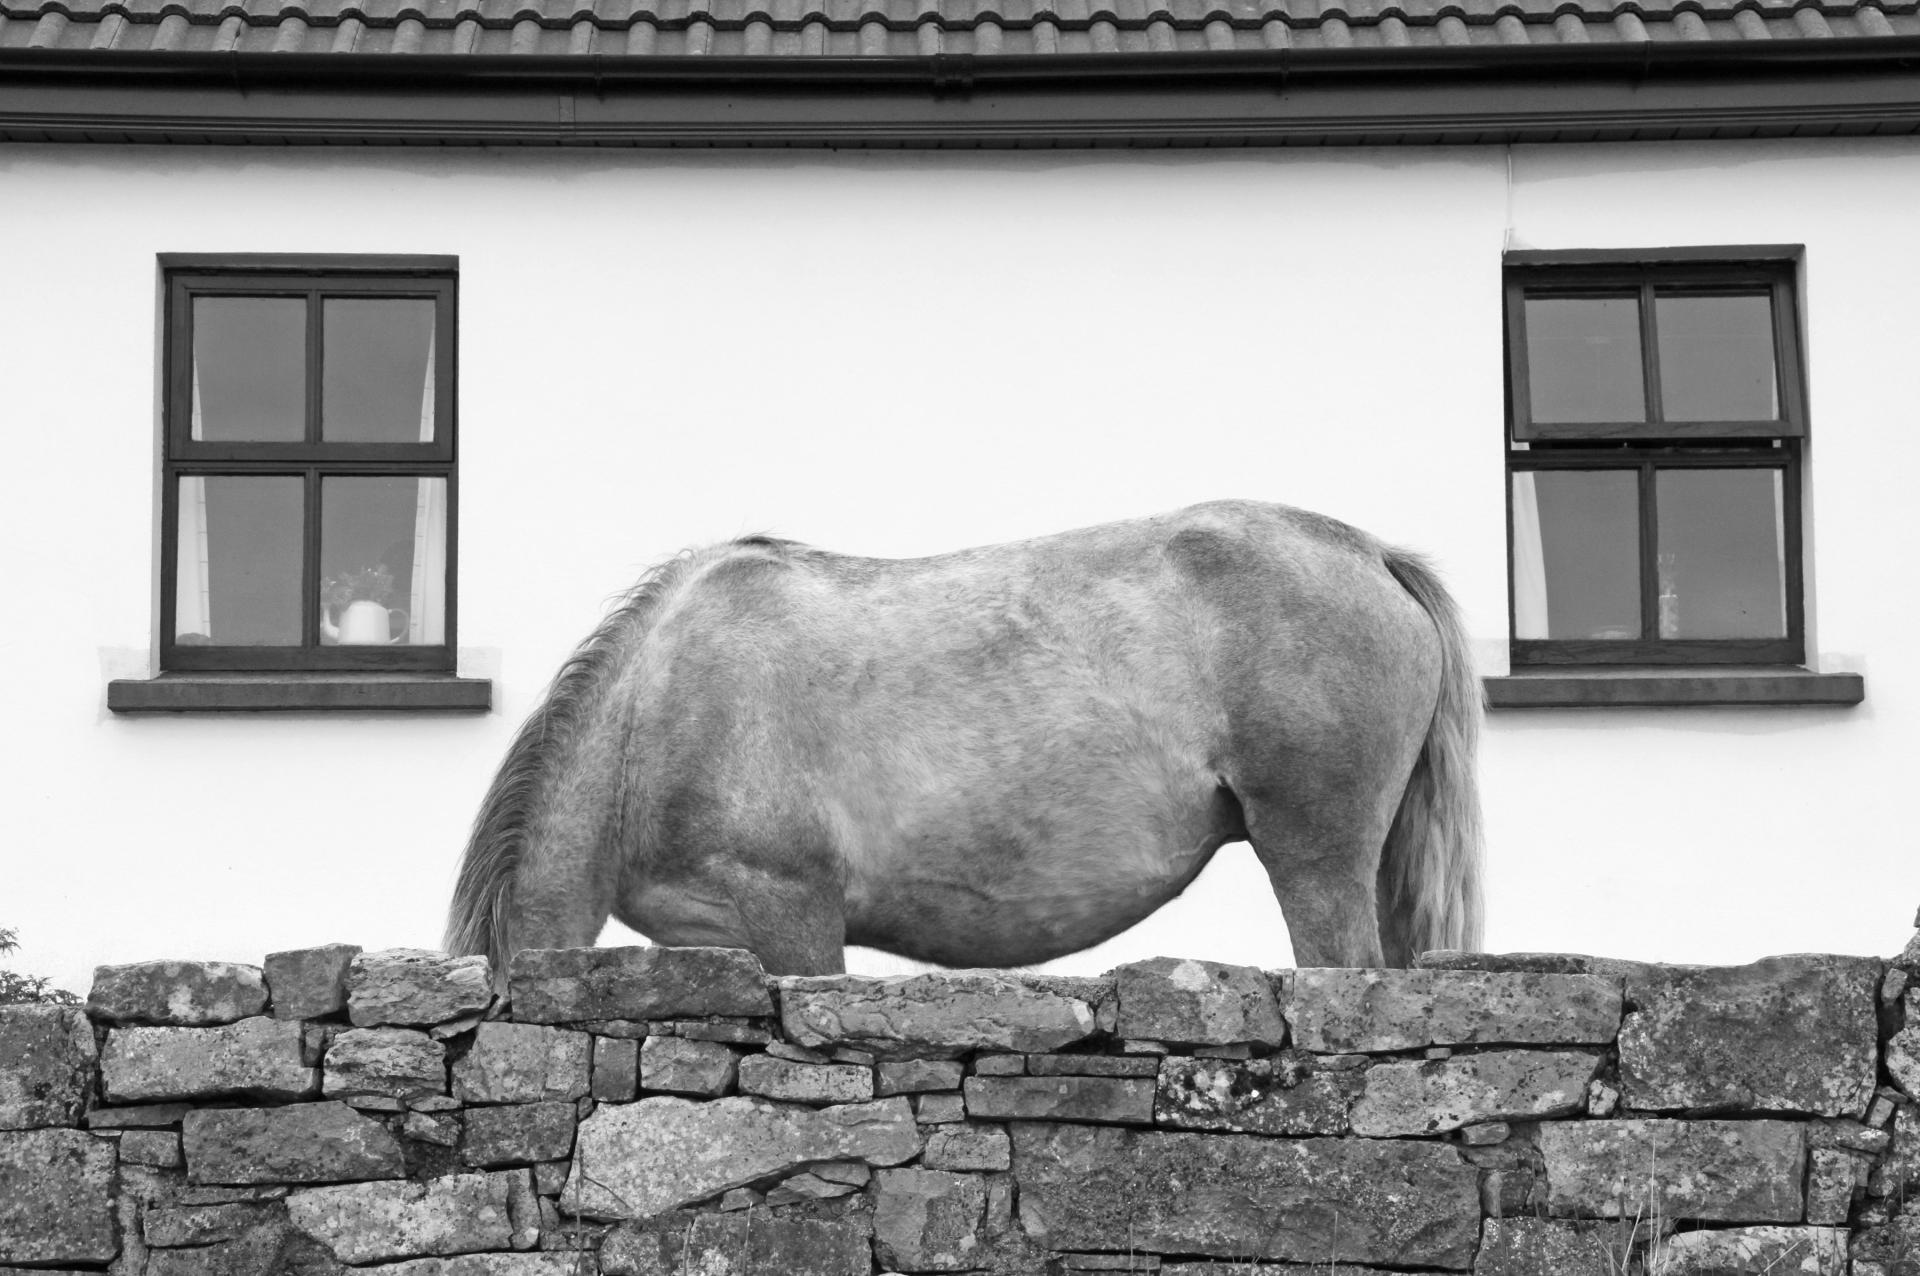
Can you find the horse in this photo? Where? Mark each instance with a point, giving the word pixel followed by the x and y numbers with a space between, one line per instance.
pixel 997 756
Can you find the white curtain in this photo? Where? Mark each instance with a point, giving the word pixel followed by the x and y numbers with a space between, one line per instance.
pixel 1529 561
pixel 427 605
pixel 192 597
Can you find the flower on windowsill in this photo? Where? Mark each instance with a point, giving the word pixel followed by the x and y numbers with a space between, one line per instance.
pixel 370 584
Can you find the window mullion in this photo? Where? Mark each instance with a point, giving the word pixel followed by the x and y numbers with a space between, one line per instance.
pixel 1650 356
pixel 310 562
pixel 314 355
pixel 1649 557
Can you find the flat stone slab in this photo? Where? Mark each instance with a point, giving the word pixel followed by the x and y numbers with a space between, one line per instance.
pixel 637 1159
pixel 742 1243
pixel 306 983
pixel 1713 1171
pixel 918 1076
pixel 524 1063
pixel 1787 1034
pixel 367 1222
pixel 677 1065
pixel 968 1148
pixel 1340 1011
pixel 47 1059
pixel 399 1063
pixel 56 1197
pixel 1776 1251
pixel 416 987
pixel 1196 1002
pixel 791 1082
pixel 258 1058
pixel 518 1134
pixel 928 1220
pixel 1122 1100
pixel 550 1264
pixel 1542 1247
pixel 1289 1094
pixel 187 994
pixel 573 985
pixel 1388 1202
pixel 936 1015
pixel 300 1143
pixel 1432 1096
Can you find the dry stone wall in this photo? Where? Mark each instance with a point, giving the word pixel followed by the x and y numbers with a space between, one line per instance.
pixel 674 1112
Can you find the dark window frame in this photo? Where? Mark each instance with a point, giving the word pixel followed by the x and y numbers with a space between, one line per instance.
pixel 312 277
pixel 1653 445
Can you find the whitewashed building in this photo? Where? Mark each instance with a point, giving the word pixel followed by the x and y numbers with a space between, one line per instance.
pixel 358 354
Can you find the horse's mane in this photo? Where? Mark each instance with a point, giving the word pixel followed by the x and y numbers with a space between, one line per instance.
pixel 478 921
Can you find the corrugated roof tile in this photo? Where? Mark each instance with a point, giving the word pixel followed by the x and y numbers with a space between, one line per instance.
pixel 171 32
pixel 1812 23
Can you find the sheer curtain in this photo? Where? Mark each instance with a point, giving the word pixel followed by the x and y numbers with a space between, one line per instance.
pixel 427 606
pixel 192 598
pixel 1529 561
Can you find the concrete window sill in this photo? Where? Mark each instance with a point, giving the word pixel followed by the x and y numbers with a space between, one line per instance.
pixel 1673 688
pixel 292 692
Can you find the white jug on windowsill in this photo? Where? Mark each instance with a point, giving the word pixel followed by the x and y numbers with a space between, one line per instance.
pixel 365 623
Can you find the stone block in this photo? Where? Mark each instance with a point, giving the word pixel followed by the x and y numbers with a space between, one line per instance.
pixel 1290 1094
pixel 616 1069
pixel 1121 1100
pixel 1092 1065
pixel 518 1134
pixel 968 1148
pixel 56 1197
pixel 939 1109
pixel 928 1220
pixel 47 1058
pixel 941 1014
pixel 705 1069
pixel 1197 1003
pixel 636 1159
pixel 143 1116
pixel 255 1242
pixel 736 1032
pixel 416 987
pixel 803 1188
pixel 307 983
pixel 186 994
pixel 256 1058
pixel 301 1143
pixel 775 1078
pixel 917 1076
pixel 556 1263
pixel 182 1226
pixel 439 1130
pixel 1335 1011
pixel 743 1244
pixel 1543 1247
pixel 368 1222
pixel 569 985
pixel 1388 1202
pixel 157 1148
pixel 1835 1178
pixel 1713 1171
pixel 398 1063
pixel 1787 1034
pixel 1777 1251
pixel 524 1063
pixel 1432 1096
pixel 1000 1065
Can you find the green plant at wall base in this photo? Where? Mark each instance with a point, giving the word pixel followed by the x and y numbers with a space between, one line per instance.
pixel 25 990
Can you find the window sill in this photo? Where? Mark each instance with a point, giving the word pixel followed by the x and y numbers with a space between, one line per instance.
pixel 268 692
pixel 1673 688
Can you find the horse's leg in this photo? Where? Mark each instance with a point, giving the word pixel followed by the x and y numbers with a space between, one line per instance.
pixel 1324 878
pixel 561 899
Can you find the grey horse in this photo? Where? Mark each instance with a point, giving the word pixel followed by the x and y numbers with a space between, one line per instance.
pixel 997 756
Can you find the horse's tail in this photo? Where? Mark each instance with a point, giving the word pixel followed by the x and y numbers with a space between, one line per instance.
pixel 481 916
pixel 1429 883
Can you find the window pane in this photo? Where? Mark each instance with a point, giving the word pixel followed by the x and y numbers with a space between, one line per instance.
pixel 383 560
pixel 1722 554
pixel 1716 357
pixel 378 359
pixel 249 369
pixel 1576 554
pixel 237 581
pixel 1583 359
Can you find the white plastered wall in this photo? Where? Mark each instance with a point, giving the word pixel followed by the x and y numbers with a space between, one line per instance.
pixel 899 354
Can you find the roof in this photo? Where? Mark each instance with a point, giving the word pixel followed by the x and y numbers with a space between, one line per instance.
pixel 791 29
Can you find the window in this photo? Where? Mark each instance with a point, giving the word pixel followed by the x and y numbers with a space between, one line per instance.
pixel 309 493
pixel 1656 418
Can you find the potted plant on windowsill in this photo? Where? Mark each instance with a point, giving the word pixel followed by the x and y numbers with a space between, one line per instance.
pixel 361 597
